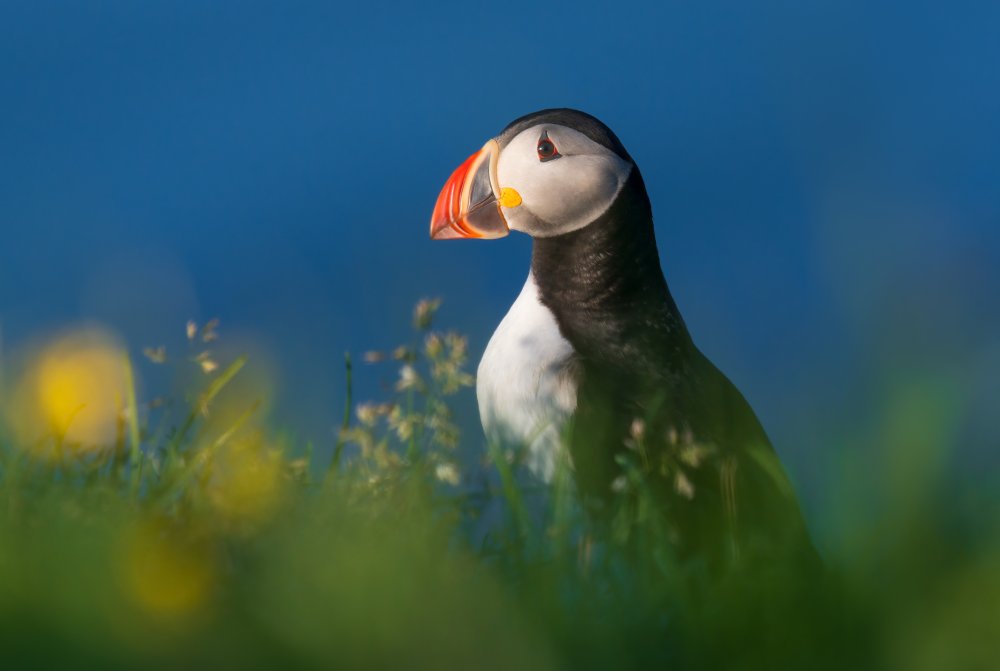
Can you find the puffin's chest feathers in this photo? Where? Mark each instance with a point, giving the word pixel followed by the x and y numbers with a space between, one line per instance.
pixel 527 382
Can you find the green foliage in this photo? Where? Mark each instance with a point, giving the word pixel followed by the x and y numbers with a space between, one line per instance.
pixel 200 538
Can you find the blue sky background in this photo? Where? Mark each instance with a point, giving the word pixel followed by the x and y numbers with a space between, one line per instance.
pixel 825 178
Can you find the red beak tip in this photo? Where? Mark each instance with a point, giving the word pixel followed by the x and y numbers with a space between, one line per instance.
pixel 454 216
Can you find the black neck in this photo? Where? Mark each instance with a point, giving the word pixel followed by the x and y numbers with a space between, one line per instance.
pixel 606 289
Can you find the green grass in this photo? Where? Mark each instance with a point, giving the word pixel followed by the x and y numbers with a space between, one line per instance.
pixel 200 538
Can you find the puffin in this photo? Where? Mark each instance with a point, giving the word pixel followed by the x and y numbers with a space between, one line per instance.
pixel 594 361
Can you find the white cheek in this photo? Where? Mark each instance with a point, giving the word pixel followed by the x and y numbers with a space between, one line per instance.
pixel 563 194
pixel 573 191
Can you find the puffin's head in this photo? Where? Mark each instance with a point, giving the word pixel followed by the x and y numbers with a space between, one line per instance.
pixel 546 174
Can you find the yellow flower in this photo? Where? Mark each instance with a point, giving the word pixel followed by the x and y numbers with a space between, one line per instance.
pixel 164 574
pixel 75 389
pixel 245 481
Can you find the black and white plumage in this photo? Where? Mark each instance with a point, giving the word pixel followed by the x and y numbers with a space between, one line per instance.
pixel 595 342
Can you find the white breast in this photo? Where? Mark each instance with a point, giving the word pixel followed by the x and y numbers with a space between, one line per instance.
pixel 525 386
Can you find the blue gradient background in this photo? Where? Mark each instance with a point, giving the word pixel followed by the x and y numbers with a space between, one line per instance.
pixel 824 177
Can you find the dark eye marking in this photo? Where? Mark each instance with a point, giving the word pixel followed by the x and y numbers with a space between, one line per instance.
pixel 547 148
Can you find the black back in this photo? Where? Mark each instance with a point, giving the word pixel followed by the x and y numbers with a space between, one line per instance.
pixel 636 361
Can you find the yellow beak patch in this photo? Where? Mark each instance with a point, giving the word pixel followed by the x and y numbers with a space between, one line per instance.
pixel 509 197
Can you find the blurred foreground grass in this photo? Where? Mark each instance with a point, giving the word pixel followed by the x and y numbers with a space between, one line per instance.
pixel 163 534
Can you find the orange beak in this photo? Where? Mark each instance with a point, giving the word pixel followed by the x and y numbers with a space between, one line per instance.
pixel 468 205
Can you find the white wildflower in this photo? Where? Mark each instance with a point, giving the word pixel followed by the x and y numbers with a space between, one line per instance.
pixel 423 313
pixel 408 378
pixel 367 413
pixel 447 473
pixel 208 332
pixel 683 486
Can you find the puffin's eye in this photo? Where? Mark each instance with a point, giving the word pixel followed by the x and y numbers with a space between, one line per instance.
pixel 547 149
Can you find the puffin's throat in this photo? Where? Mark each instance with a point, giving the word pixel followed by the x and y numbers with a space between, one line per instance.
pixel 605 286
